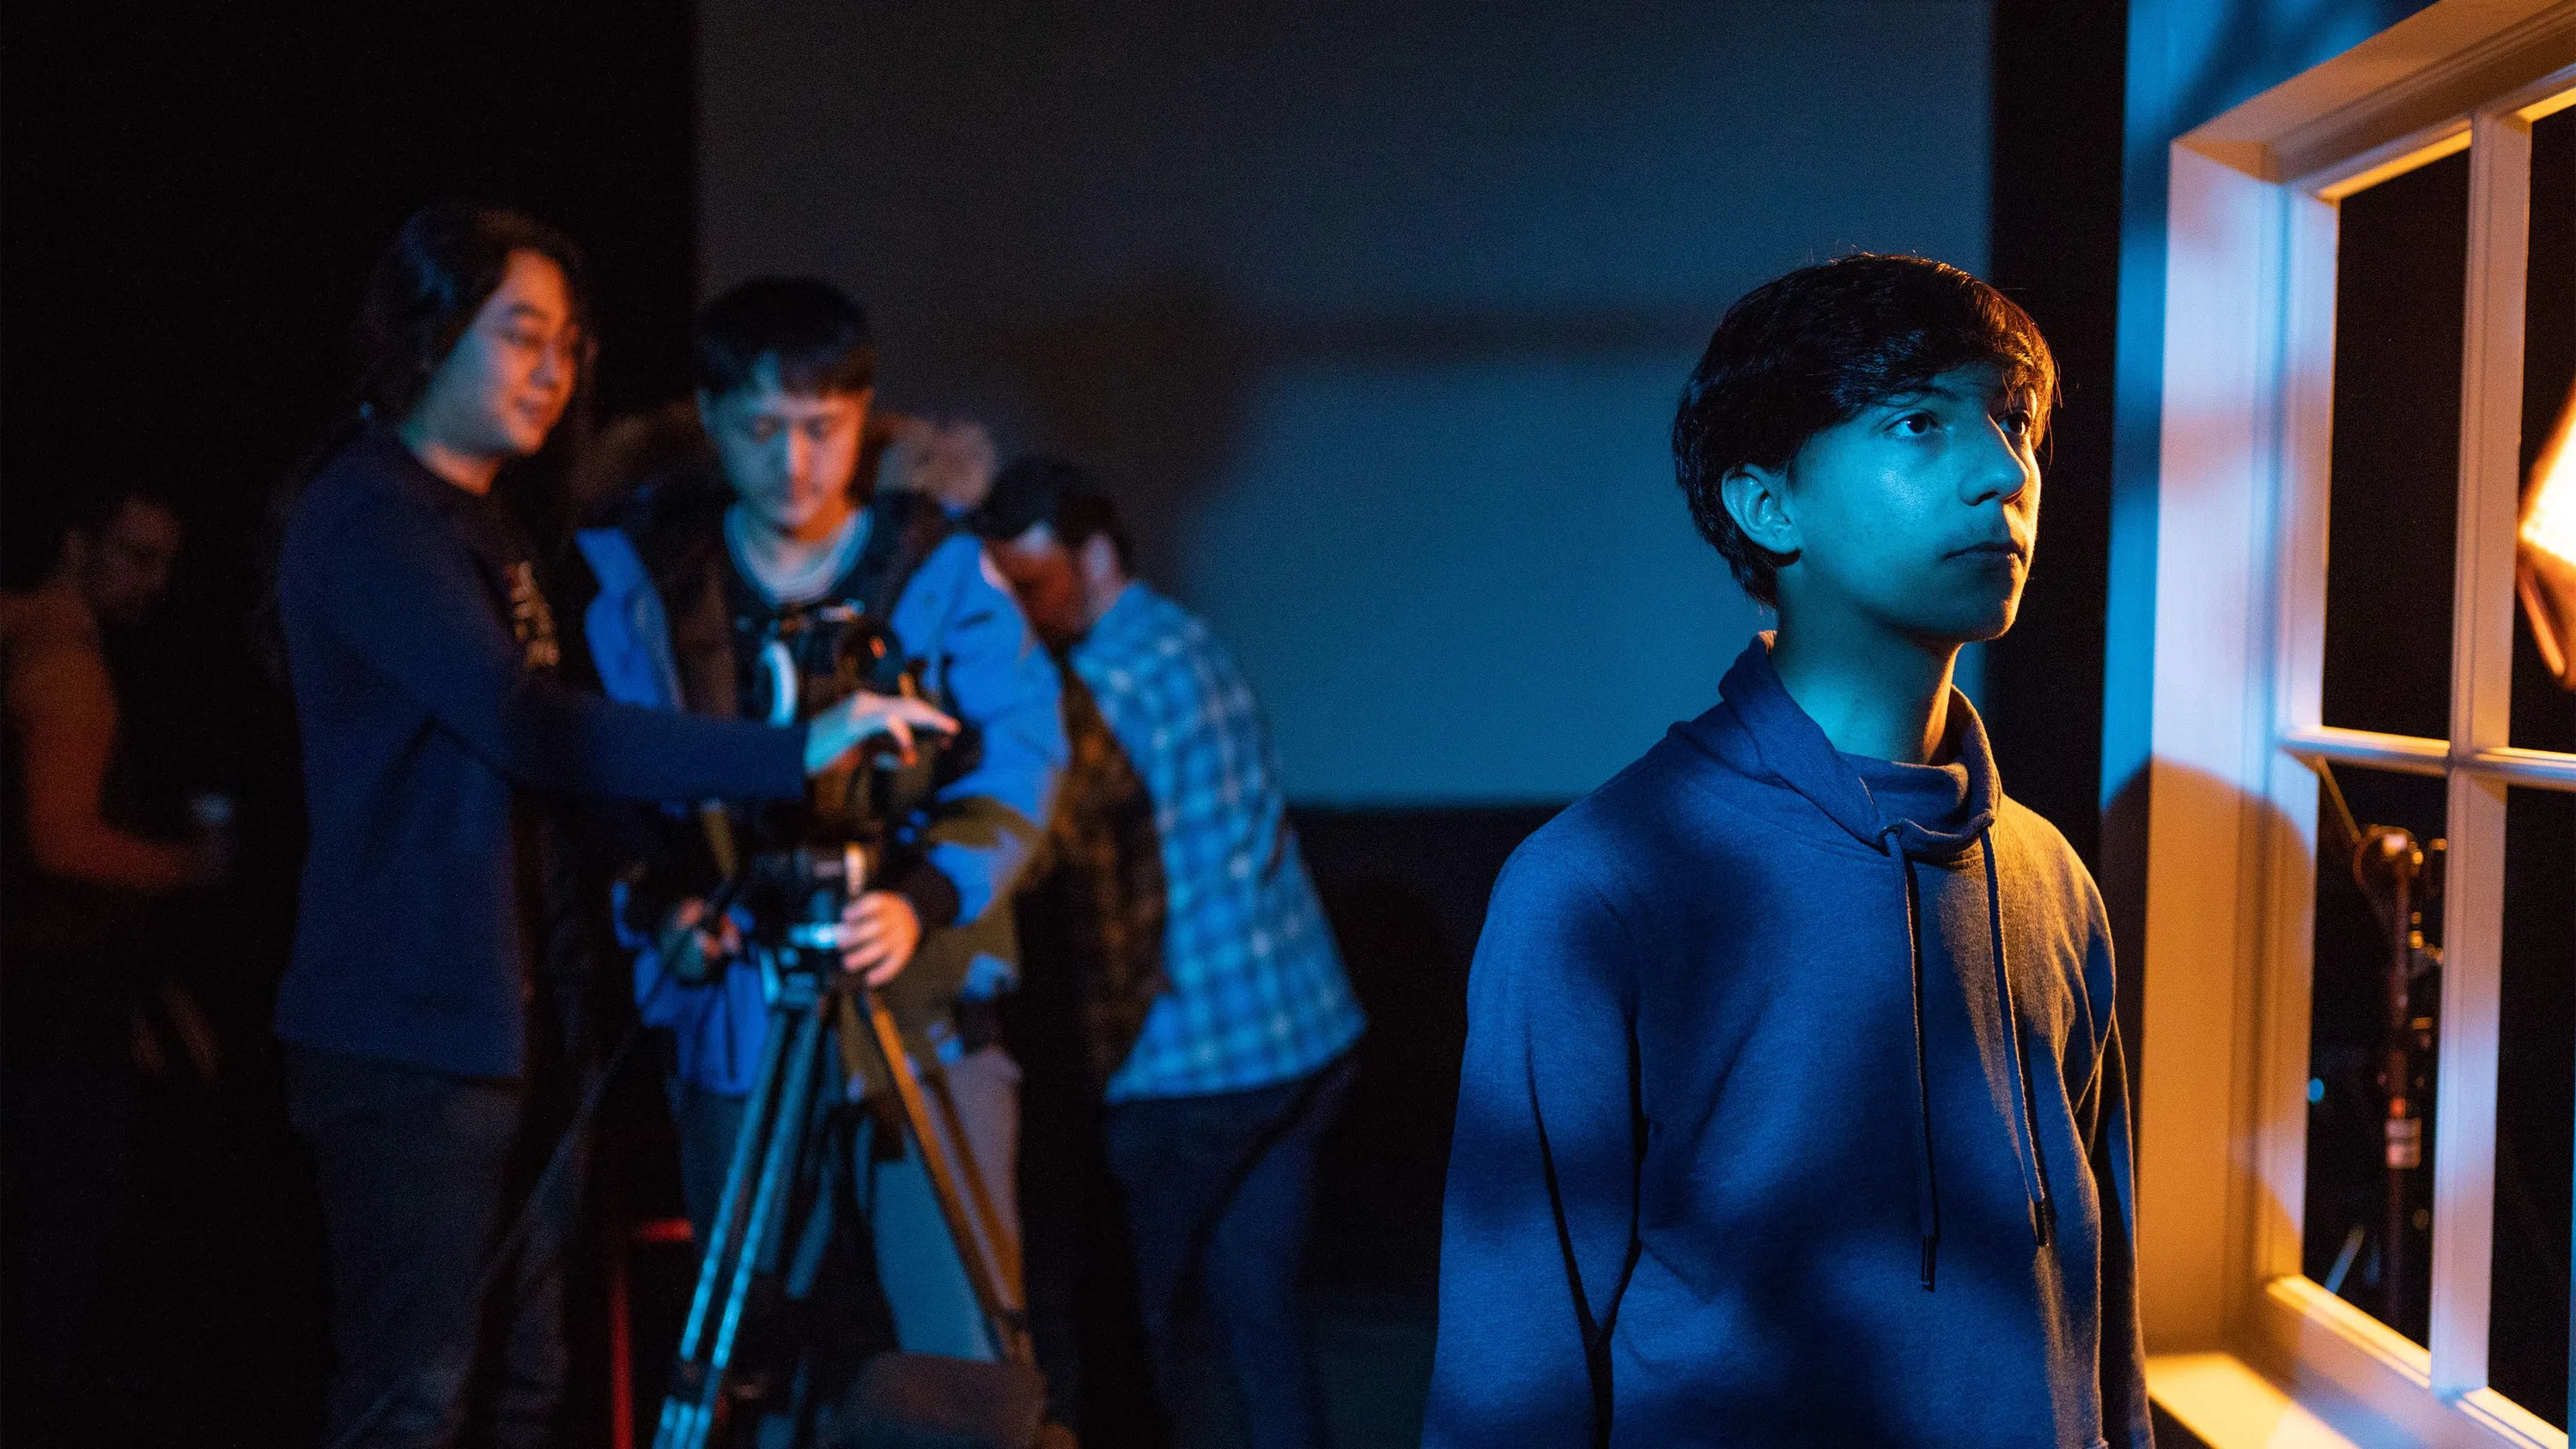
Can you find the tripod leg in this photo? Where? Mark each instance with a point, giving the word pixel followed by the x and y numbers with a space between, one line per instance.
pixel 786 1134
pixel 721 1228
pixel 687 1375
pixel 1009 1328
pixel 1001 1245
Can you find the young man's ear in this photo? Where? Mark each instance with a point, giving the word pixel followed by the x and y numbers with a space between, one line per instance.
pixel 1098 560
pixel 1758 500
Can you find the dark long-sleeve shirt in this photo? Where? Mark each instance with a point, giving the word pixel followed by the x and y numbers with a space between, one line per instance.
pixel 423 658
pixel 1792 1114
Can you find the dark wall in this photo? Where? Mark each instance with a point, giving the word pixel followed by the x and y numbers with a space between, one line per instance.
pixel 1374 314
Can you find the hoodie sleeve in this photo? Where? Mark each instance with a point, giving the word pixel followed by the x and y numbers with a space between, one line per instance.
pixel 1539 1228
pixel 402 589
pixel 2125 1419
pixel 985 824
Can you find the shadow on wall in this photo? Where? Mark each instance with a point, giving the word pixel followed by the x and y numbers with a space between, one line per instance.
pixel 1154 385
pixel 1150 386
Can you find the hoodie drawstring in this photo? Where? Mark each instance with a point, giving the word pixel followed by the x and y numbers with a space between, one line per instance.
pixel 2043 1206
pixel 1927 1195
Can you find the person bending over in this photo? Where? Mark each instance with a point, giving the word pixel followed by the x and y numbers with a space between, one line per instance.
pixel 1214 1115
pixel 771 539
pixel 1793 1111
pixel 423 656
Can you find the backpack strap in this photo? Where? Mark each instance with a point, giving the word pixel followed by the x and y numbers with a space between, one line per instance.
pixel 908 528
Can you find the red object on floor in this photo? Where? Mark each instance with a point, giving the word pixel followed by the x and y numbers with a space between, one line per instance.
pixel 658 1232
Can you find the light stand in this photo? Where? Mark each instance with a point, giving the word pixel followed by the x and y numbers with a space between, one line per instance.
pixel 2400 877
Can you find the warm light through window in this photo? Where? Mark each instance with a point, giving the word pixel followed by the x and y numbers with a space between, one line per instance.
pixel 2548 564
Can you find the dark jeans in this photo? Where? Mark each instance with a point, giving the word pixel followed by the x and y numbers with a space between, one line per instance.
pixel 1219 1190
pixel 421 1173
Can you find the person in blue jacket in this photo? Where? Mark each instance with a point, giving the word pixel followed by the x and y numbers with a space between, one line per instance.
pixel 1793 1110
pixel 424 658
pixel 711 558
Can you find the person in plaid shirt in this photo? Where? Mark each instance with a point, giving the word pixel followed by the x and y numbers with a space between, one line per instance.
pixel 1214 1115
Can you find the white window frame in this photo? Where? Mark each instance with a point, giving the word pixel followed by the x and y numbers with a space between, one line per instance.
pixel 2240 610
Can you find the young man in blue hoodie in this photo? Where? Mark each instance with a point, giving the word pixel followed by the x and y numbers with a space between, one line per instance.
pixel 1793 1110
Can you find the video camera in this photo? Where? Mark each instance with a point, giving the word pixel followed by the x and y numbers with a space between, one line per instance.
pixel 810 657
pixel 805 860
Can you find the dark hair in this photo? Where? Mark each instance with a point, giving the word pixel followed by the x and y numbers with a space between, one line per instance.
pixel 443 264
pixel 35 546
pixel 1804 352
pixel 817 335
pixel 1061 495
pixel 97 510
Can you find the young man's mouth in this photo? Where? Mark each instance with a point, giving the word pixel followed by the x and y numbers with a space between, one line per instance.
pixel 1994 548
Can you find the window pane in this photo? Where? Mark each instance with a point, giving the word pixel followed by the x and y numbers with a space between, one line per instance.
pixel 2535 1103
pixel 2400 282
pixel 2358 1202
pixel 2544 716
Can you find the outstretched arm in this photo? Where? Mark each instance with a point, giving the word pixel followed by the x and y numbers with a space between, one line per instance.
pixel 1539 1230
pixel 402 589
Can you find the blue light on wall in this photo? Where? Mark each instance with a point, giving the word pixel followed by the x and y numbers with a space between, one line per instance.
pixel 1374 315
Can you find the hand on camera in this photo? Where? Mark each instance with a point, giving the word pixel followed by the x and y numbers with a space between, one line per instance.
pixel 691 945
pixel 879 932
pixel 864 716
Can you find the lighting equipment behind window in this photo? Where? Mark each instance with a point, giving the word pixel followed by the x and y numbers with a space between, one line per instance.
pixel 2546 574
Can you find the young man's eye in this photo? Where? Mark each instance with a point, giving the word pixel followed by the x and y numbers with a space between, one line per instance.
pixel 1915 425
pixel 762 429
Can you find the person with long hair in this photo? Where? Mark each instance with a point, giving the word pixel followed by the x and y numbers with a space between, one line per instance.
pixel 423 658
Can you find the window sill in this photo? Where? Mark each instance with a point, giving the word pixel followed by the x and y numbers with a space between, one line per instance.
pixel 2320 1374
pixel 2229 1406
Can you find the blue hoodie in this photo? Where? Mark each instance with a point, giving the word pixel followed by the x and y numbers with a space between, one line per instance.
pixel 1793 1113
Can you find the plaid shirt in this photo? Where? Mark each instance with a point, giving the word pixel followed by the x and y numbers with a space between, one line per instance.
pixel 1257 994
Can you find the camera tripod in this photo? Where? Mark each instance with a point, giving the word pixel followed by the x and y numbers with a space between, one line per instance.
pixel 815 1008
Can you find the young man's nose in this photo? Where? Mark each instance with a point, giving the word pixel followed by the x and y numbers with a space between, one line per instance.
pixel 554 368
pixel 1999 470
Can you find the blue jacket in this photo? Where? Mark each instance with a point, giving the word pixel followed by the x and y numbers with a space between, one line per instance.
pixel 423 658
pixel 958 616
pixel 1793 1113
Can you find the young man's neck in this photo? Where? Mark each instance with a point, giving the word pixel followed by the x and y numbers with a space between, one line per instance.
pixel 790 548
pixel 1873 692
pixel 471 472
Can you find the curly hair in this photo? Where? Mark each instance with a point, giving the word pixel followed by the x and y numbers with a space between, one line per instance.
pixel 1806 351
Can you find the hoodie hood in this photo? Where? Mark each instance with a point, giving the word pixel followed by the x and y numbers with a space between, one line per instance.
pixel 1793 748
